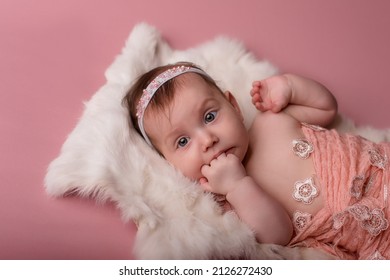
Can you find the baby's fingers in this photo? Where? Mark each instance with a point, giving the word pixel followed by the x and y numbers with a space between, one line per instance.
pixel 204 184
pixel 205 169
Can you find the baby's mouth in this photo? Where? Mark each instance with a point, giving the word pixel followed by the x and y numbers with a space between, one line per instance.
pixel 228 151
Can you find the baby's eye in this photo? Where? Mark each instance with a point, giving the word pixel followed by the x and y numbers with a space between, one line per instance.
pixel 182 142
pixel 209 117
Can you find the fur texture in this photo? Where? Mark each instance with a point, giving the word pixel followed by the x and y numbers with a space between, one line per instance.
pixel 105 159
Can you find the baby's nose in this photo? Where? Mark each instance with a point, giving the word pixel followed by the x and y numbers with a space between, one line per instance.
pixel 208 140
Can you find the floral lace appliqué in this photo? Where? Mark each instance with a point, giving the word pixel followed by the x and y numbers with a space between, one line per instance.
pixel 339 220
pixel 357 186
pixel 373 221
pixel 376 223
pixel 360 212
pixel 302 148
pixel 305 191
pixel 300 220
pixel 377 159
pixel 376 256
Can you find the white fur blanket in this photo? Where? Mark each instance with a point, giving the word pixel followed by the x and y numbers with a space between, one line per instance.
pixel 105 159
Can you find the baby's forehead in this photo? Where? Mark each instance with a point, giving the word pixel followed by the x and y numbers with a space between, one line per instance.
pixel 186 90
pixel 187 79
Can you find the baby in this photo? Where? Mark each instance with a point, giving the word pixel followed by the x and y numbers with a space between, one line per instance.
pixel 291 182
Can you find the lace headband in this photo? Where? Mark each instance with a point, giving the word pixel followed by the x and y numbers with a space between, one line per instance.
pixel 152 88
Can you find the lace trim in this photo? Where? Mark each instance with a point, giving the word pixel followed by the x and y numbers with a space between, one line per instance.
pixel 357 186
pixel 302 148
pixel 305 191
pixel 376 224
pixel 301 220
pixel 376 256
pixel 377 159
pixel 339 220
pixel 373 221
pixel 380 161
pixel 360 212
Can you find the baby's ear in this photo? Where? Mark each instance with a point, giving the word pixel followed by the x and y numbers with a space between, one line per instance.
pixel 232 100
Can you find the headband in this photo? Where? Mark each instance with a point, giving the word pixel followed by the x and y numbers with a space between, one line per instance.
pixel 152 88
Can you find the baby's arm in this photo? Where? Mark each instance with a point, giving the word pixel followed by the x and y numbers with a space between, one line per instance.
pixel 303 98
pixel 265 216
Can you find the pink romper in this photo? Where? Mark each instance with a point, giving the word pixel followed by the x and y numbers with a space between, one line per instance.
pixel 353 175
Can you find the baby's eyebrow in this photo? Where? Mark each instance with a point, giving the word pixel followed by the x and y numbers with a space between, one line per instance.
pixel 171 136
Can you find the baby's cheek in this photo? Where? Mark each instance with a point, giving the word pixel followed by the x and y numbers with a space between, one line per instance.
pixel 189 171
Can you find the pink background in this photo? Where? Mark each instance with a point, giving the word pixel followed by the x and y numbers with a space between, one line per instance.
pixel 53 55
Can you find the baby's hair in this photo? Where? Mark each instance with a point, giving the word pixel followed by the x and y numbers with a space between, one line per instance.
pixel 164 95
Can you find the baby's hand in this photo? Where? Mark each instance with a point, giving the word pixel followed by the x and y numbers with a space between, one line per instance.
pixel 222 174
pixel 272 94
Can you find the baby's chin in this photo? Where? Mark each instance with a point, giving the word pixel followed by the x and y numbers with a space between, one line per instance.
pixel 198 178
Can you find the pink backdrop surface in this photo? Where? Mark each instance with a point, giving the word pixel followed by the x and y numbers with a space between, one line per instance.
pixel 53 55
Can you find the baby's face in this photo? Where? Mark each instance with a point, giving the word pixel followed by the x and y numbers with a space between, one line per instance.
pixel 197 127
